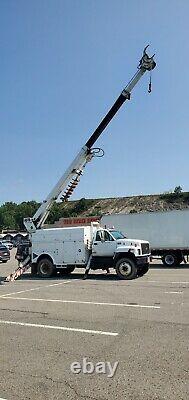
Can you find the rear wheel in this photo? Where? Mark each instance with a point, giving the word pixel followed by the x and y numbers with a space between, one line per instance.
pixel 171 260
pixel 126 269
pixel 46 268
pixel 33 269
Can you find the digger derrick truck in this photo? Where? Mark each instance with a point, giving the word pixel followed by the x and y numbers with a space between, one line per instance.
pixel 92 247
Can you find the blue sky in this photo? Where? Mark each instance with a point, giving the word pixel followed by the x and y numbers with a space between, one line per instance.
pixel 63 64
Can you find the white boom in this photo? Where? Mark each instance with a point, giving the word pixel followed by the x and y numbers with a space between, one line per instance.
pixel 71 177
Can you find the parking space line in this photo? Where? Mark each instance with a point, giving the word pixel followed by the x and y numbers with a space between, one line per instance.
pixel 174 292
pixel 165 282
pixel 84 302
pixel 38 288
pixel 61 328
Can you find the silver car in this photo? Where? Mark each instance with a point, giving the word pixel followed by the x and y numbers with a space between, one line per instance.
pixel 4 253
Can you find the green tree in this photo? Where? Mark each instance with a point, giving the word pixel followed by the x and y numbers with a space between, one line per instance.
pixel 23 210
pixel 55 214
pixel 81 205
pixel 7 220
pixel 177 189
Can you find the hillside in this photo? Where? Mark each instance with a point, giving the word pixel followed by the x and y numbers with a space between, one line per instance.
pixel 135 204
pixel 12 214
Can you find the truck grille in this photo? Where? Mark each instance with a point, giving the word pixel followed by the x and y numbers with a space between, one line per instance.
pixel 145 248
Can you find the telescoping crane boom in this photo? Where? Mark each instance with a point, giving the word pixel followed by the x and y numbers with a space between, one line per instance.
pixel 71 176
pixel 70 179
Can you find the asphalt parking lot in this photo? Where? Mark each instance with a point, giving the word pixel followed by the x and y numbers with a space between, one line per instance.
pixel 46 325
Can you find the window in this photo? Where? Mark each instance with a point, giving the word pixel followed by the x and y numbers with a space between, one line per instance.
pixel 107 237
pixel 98 236
pixel 117 235
pixel 2 247
pixel 103 236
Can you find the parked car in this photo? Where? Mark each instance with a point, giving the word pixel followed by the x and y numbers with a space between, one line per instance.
pixel 9 245
pixel 4 253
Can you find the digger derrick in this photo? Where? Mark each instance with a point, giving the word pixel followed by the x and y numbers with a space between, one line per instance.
pixel 70 179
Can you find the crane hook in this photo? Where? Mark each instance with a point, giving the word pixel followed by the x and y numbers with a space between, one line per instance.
pixel 147 63
pixel 150 85
pixel 145 54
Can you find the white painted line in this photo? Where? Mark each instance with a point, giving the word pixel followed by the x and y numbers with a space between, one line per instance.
pixel 2 398
pixel 82 302
pixel 174 292
pixel 165 282
pixel 60 328
pixel 38 288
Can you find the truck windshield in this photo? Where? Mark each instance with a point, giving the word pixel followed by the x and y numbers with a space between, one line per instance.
pixel 117 235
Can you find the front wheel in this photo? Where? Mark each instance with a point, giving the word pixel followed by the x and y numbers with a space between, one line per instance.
pixel 143 270
pixel 126 269
pixel 46 268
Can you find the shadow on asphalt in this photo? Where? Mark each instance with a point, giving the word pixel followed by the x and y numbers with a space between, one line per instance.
pixel 161 266
pixel 99 276
pixel 76 276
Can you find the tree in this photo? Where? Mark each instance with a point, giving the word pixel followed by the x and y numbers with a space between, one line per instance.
pixel 23 210
pixel 12 214
pixel 56 213
pixel 177 189
pixel 7 219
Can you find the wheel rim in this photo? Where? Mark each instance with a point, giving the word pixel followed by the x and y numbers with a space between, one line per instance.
pixel 45 270
pixel 169 259
pixel 125 268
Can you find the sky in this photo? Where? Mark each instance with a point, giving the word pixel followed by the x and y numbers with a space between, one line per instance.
pixel 63 64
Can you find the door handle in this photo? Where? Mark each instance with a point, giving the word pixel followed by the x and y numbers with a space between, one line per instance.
pixel 95 244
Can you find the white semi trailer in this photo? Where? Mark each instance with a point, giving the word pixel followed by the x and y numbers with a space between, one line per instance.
pixel 167 232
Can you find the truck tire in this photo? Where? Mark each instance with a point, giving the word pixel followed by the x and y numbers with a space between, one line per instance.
pixel 33 269
pixel 143 270
pixel 67 270
pixel 171 260
pixel 46 268
pixel 126 269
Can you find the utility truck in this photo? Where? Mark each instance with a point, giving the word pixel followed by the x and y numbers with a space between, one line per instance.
pixel 167 232
pixel 63 248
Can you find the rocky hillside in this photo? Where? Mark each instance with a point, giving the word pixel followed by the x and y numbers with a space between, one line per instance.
pixel 135 204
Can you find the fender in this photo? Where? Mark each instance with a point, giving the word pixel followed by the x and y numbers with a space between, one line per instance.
pixel 126 249
pixel 122 254
pixel 36 258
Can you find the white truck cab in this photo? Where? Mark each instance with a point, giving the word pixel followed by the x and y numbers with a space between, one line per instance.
pixel 130 257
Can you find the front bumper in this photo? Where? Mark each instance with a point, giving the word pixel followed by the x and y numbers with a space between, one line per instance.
pixel 143 260
pixel 4 258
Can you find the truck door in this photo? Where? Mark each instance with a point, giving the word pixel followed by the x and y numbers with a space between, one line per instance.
pixel 104 244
